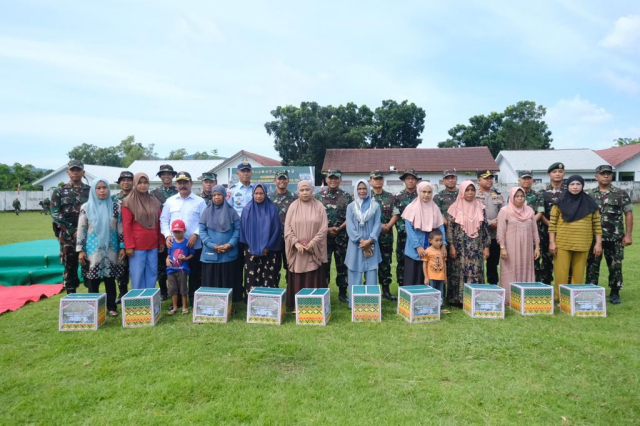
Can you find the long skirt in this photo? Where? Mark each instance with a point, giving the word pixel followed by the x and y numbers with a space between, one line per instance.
pixel 261 271
pixel 413 273
pixel 225 275
pixel 296 282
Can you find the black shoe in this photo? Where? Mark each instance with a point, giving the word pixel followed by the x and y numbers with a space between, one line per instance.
pixel 343 298
pixel 614 298
pixel 118 300
pixel 387 295
pixel 164 297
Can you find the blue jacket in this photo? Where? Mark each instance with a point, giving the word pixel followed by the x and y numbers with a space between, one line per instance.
pixel 355 260
pixel 210 238
pixel 417 238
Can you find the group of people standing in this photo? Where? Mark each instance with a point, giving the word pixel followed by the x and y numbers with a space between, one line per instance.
pixel 241 237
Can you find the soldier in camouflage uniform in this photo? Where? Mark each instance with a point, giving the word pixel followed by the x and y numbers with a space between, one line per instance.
pixel 209 180
pixel 282 199
pixel 547 198
pixel 65 211
pixel 125 180
pixel 614 204
pixel 46 206
pixel 531 197
pixel 389 216
pixel 335 202
pixel 403 199
pixel 444 199
pixel 17 206
pixel 166 190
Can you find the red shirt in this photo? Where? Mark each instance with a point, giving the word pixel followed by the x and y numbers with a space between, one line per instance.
pixel 138 237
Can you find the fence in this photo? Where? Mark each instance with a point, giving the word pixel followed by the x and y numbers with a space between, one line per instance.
pixel 29 200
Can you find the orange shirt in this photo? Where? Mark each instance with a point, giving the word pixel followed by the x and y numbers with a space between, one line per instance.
pixel 436 266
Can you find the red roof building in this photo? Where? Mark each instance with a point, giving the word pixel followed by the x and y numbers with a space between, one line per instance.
pixel 624 159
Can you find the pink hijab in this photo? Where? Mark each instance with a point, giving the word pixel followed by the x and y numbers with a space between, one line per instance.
pixel 520 214
pixel 424 216
pixel 467 214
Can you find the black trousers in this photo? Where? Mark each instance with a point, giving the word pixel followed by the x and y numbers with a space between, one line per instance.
pixel 123 281
pixel 195 275
pixel 492 262
pixel 110 286
pixel 162 272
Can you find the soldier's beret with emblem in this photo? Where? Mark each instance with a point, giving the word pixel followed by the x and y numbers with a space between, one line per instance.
pixel 166 168
pixel 555 166
pixel 605 168
pixel 336 173
pixel 525 173
pixel 125 175
pixel 244 165
pixel 411 172
pixel 282 173
pixel 376 174
pixel 183 176
pixel 77 164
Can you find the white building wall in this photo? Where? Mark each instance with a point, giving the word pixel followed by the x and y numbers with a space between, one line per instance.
pixel 632 165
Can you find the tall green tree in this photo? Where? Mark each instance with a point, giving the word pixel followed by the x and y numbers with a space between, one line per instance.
pixel 519 127
pixel 626 141
pixel 398 125
pixel 131 151
pixel 177 154
pixel 121 155
pixel 10 176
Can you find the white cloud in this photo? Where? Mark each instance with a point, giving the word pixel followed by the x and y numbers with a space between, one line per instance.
pixel 576 111
pixel 197 28
pixel 625 35
pixel 620 83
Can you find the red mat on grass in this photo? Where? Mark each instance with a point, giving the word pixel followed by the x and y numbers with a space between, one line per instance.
pixel 15 297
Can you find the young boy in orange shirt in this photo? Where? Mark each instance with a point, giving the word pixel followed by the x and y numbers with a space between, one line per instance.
pixel 434 264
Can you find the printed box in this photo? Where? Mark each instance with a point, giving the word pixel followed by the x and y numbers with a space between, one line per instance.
pixel 419 303
pixel 82 311
pixel 531 298
pixel 366 303
pixel 141 308
pixel 266 305
pixel 212 304
pixel 313 306
pixel 483 300
pixel 583 300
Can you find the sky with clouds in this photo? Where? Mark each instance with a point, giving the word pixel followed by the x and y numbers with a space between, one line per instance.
pixel 205 75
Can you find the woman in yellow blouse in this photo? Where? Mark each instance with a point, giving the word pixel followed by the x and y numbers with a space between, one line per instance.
pixel 575 221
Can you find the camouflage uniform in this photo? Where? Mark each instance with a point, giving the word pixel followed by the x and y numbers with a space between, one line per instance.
pixel 65 211
pixel 403 199
pixel 613 206
pixel 282 203
pixel 17 206
pixel 206 197
pixel 212 177
pixel 162 193
pixel 335 204
pixel 544 265
pixel 123 281
pixel 46 206
pixel 388 209
pixel 444 199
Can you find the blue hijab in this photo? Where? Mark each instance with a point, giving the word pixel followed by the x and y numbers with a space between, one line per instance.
pixel 99 214
pixel 260 225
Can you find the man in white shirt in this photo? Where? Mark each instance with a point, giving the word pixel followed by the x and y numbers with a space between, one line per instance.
pixel 187 207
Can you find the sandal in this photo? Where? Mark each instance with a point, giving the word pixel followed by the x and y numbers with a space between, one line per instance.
pixel 172 311
pixel 113 314
pixel 185 311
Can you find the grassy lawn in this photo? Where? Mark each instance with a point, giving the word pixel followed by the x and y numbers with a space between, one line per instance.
pixel 533 370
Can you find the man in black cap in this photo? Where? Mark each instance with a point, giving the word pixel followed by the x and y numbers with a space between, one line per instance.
pixel 209 180
pixel 403 199
pixel 335 202
pixel 390 212
pixel 65 211
pixel 548 197
pixel 162 193
pixel 493 202
pixel 616 211
pixel 125 180
pixel 282 199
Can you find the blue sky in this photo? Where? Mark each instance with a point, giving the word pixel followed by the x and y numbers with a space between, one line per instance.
pixel 202 75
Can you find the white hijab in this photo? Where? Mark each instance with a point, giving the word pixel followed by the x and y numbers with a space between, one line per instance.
pixel 371 209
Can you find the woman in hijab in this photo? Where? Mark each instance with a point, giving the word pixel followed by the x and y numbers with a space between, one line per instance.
pixel 142 236
pixel 363 229
pixel 100 242
pixel 260 232
pixel 219 231
pixel 420 217
pixel 305 237
pixel 573 225
pixel 469 241
pixel 517 234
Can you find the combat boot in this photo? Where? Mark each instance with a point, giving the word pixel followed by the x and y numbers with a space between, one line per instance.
pixel 342 295
pixel 386 293
pixel 614 296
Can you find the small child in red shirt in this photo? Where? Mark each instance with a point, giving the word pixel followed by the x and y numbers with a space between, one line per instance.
pixel 434 264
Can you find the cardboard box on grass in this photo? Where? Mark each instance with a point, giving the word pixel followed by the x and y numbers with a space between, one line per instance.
pixel 313 306
pixel 141 308
pixel 483 301
pixel 531 298
pixel 419 303
pixel 82 311
pixel 212 304
pixel 266 305
pixel 583 300
pixel 366 303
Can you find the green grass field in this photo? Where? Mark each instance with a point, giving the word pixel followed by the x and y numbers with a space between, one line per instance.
pixel 533 370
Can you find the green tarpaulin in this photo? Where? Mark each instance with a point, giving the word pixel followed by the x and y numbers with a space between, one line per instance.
pixel 31 262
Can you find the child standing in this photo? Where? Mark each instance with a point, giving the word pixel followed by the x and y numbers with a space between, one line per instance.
pixel 178 267
pixel 434 265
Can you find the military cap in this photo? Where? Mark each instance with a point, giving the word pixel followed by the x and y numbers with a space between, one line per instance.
pixel 209 176
pixel 605 168
pixel 376 174
pixel 336 173
pixel 183 176
pixel 449 173
pixel 244 165
pixel 525 173
pixel 485 174
pixel 555 166
pixel 77 164
pixel 166 168
pixel 282 173
pixel 411 172
pixel 125 175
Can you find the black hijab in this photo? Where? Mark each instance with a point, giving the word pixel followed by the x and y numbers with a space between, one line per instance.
pixel 576 206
